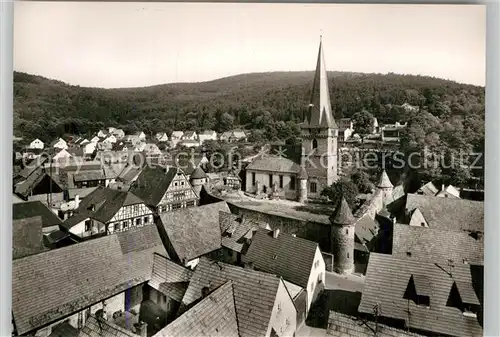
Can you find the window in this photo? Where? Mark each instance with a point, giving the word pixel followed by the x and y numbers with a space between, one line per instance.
pixel 292 182
pixel 320 276
pixel 253 178
pixel 347 231
pixel 422 224
pixel 124 224
pixel 176 206
pixel 138 221
pixel 408 254
pixel 175 183
pixel 146 219
pixel 117 227
pixel 347 255
pixel 281 181
pixel 182 183
pixel 136 208
pixel 312 187
pixel 270 180
pixel 88 225
pixel 315 144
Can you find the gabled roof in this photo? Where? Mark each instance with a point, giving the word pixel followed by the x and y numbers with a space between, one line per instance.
pixel 194 231
pixel 343 214
pixel 287 256
pixel 213 316
pixel 273 163
pixel 236 230
pixel 189 133
pixel 106 202
pixel 366 229
pixel 81 192
pixel 27 237
pixel 319 113
pixel 359 327
pixel 387 279
pixel 153 183
pixel 169 278
pixel 447 213
pixel 47 287
pixel 431 244
pixel 31 209
pixel 429 189
pixel 254 293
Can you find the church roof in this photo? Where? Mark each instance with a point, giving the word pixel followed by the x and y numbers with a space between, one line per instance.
pixel 343 214
pixel 319 114
pixel 384 181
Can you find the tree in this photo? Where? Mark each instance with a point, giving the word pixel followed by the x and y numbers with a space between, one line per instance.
pixel 342 188
pixel 226 122
pixel 362 181
pixel 363 123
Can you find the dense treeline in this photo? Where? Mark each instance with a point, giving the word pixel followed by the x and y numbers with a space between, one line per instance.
pixel 451 116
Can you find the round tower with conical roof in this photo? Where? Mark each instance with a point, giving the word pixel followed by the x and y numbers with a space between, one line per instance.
pixel 302 182
pixel 384 184
pixel 197 179
pixel 342 231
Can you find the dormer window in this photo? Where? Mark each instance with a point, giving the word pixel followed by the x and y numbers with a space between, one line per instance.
pixel 463 297
pixel 419 290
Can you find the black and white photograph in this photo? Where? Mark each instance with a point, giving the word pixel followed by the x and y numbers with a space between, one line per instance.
pixel 248 169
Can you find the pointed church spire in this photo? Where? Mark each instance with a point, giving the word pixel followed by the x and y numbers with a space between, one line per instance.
pixel 384 181
pixel 320 109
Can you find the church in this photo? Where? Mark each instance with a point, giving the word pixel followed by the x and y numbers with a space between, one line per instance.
pixel 302 176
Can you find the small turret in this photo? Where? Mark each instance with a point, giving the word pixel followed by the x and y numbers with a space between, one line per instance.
pixel 384 184
pixel 197 179
pixel 343 229
pixel 302 182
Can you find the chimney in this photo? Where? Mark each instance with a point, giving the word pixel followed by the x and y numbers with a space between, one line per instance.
pixel 141 329
pixel 442 187
pixel 204 292
pixel 276 232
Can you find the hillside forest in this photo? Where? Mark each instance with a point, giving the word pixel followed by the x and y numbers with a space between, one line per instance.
pixel 270 105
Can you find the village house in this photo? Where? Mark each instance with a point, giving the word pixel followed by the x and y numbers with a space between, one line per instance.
pixel 191 233
pixel 152 150
pixel 237 232
pixel 118 133
pixel 29 209
pixel 199 320
pixel 262 303
pixel 106 211
pixel 225 136
pixel 120 146
pixel 190 135
pixel 392 132
pixel 161 137
pixel 345 128
pixel 62 155
pixel 434 244
pixel 164 189
pixel 430 189
pixel 36 144
pixel 189 143
pixel 95 139
pixel 86 178
pixel 207 135
pixel 109 279
pixel 450 214
pixel 35 179
pixel 296 260
pixel 103 133
pixel 111 139
pixel 59 144
pixel 435 298
pixel 79 142
pixel 166 288
pixel 177 135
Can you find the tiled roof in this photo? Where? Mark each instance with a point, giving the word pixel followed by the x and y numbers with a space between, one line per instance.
pixel 49 286
pixel 340 325
pixel 35 208
pixel 189 134
pixel 27 237
pixel 194 231
pixel 96 327
pixel 213 316
pixel 24 187
pixel 235 230
pixel 254 293
pixel 366 229
pixel 386 282
pixel 431 244
pixel 81 192
pixel 274 163
pixel 448 214
pixel 112 171
pixel 287 256
pixel 63 329
pixel 89 175
pixel 107 203
pixel 152 183
pixel 169 278
pixel 429 189
pixel 198 173
pixel 343 214
pixel 129 173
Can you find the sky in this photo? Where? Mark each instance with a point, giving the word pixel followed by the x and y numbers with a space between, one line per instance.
pixel 115 45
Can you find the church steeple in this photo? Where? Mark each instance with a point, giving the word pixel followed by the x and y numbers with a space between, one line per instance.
pixel 319 114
